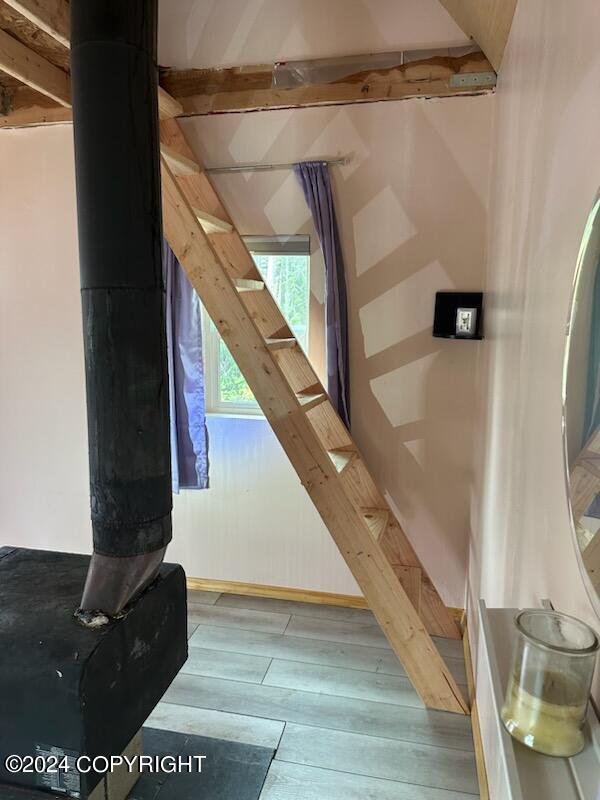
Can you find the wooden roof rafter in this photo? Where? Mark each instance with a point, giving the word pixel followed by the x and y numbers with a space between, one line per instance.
pixel 28 32
pixel 50 16
pixel 42 76
pixel 34 70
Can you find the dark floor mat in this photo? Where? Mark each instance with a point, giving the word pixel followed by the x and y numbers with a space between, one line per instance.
pixel 230 771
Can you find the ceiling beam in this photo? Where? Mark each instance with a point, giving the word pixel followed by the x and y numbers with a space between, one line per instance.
pixel 23 107
pixel 238 89
pixel 209 91
pixel 488 22
pixel 51 16
pixel 30 68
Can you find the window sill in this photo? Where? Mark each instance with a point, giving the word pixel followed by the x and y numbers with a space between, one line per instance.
pixel 235 415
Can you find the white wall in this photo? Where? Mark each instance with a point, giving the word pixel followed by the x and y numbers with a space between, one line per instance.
pixel 255 524
pixel 545 177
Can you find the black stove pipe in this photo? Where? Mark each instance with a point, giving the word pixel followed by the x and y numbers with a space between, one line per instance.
pixel 117 165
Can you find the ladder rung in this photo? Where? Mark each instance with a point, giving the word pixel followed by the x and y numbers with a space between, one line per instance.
pixel 179 164
pixel 280 344
pixel 309 400
pixel 212 224
pixel 342 458
pixel 248 285
pixel 377 520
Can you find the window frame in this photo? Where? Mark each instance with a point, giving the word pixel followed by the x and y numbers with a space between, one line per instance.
pixel 257 245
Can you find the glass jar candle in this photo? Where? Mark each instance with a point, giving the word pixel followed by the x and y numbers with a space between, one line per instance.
pixel 549 685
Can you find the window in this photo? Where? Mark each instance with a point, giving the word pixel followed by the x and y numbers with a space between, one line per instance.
pixel 284 263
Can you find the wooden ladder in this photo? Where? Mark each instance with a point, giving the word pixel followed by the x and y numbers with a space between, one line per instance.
pixel 327 460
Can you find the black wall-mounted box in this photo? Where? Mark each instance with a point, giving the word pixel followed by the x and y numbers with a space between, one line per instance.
pixel 458 315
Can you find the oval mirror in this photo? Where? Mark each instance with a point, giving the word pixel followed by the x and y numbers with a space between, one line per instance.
pixel 581 405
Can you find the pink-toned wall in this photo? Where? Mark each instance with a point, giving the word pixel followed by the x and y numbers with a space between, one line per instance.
pixel 545 176
pixel 412 213
pixel 412 207
pixel 43 454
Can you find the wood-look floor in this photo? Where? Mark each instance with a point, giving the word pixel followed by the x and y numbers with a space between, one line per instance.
pixel 320 685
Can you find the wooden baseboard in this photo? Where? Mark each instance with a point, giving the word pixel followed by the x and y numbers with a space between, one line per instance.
pixel 477 741
pixel 277 592
pixel 286 593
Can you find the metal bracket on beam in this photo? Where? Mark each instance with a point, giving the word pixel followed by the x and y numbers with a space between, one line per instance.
pixel 473 79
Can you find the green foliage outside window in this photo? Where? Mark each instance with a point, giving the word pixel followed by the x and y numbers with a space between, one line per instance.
pixel 232 384
pixel 288 280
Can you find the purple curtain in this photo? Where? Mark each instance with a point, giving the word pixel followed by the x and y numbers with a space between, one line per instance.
pixel 189 437
pixel 313 177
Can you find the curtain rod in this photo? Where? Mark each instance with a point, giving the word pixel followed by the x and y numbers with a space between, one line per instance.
pixel 332 162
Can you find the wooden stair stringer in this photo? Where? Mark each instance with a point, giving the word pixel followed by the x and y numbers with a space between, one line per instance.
pixel 341 521
pixel 400 553
pixel 213 275
pixel 264 310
